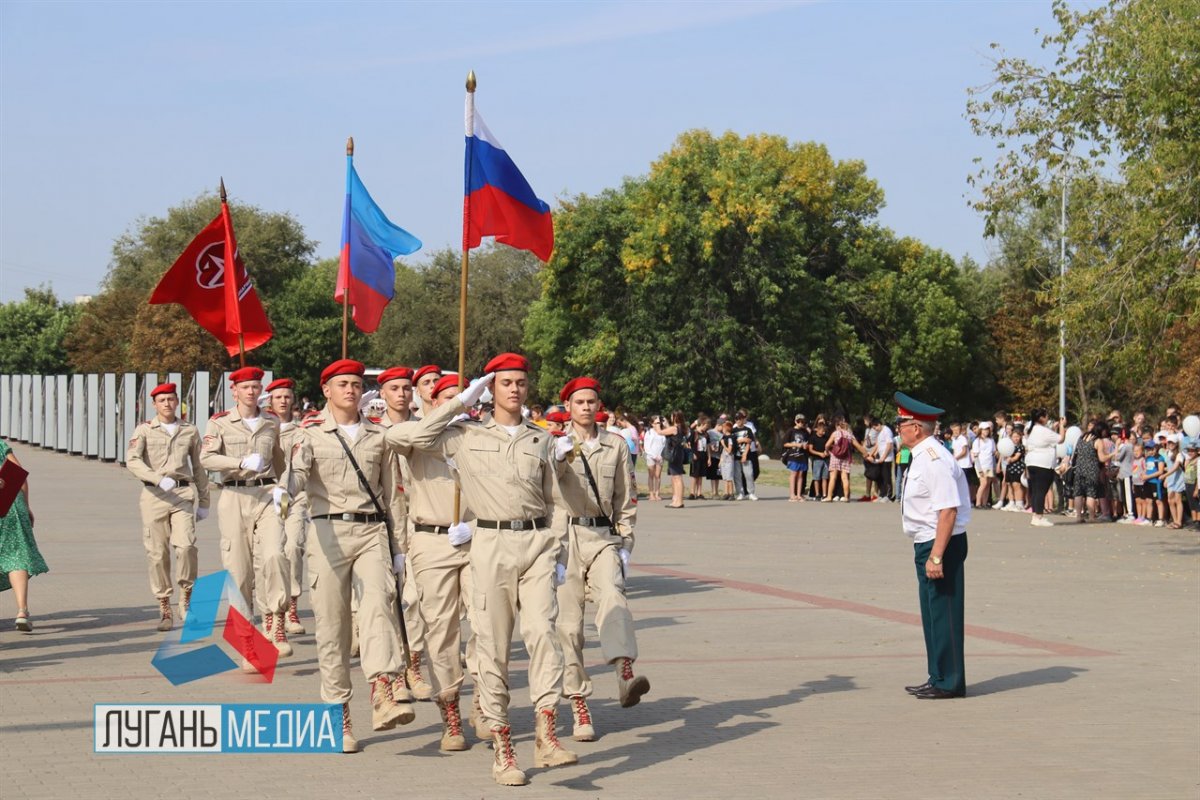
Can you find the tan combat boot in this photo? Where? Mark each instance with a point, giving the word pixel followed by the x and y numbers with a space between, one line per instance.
pixel 294 626
pixel 583 730
pixel 452 732
pixel 269 624
pixel 185 603
pixel 481 730
pixel 631 687
pixel 504 766
pixel 386 713
pixel 547 752
pixel 165 623
pixel 416 682
pixel 349 743
pixel 281 643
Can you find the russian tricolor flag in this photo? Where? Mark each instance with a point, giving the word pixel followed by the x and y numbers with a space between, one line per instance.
pixel 499 201
pixel 370 245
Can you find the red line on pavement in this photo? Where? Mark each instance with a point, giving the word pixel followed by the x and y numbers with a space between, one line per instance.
pixel 978 631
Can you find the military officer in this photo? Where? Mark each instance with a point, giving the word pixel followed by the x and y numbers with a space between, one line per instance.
pixel 243 444
pixel 507 469
pixel 600 513
pixel 439 552
pixel 164 454
pixel 282 399
pixel 339 461
pixel 396 390
pixel 937 508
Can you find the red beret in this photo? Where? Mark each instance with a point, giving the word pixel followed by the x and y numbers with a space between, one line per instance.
pixel 395 374
pixel 163 388
pixel 280 383
pixel 343 366
pixel 428 369
pixel 561 417
pixel 444 383
pixel 575 384
pixel 507 361
pixel 602 417
pixel 246 374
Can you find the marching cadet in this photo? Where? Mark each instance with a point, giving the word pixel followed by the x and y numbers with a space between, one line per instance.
pixel 396 391
pixel 424 379
pixel 282 399
pixel 164 454
pixel 439 552
pixel 937 508
pixel 243 444
pixel 339 461
pixel 595 493
pixel 507 469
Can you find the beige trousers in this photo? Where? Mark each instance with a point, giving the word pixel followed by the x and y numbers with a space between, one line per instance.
pixel 414 619
pixel 442 578
pixel 593 571
pixel 168 521
pixel 252 546
pixel 513 571
pixel 351 559
pixel 295 533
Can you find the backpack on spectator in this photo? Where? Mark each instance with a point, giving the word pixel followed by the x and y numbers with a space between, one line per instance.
pixel 840 448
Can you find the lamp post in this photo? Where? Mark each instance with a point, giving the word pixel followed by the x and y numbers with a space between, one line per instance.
pixel 1062 286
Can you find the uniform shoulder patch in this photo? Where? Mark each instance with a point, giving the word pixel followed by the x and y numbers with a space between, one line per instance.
pixel 219 414
pixel 269 413
pixel 932 452
pixel 376 420
pixel 312 421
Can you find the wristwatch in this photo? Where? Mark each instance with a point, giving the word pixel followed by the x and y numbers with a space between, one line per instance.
pixel 937 561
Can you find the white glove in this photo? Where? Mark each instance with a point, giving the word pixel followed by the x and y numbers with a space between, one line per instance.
pixel 201 513
pixel 473 393
pixel 451 463
pixel 623 554
pixel 277 495
pixel 560 574
pixel 563 445
pixel 253 462
pixel 398 565
pixel 459 533
pixel 167 483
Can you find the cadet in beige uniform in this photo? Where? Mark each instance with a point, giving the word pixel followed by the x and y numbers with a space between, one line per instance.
pixel 282 399
pixel 438 560
pixel 164 454
pixel 507 469
pixel 396 390
pixel 243 444
pixel 599 521
pixel 351 551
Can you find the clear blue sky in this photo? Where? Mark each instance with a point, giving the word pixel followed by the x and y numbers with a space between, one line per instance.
pixel 114 111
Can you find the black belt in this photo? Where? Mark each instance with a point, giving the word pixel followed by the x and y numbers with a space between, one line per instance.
pixel 423 528
pixel 351 517
pixel 177 483
pixel 512 524
pixel 590 522
pixel 258 482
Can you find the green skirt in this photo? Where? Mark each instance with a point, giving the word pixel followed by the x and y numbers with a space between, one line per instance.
pixel 18 550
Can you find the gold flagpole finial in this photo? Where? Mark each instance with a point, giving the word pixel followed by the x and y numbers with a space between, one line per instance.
pixel 350 146
pixel 223 198
pixel 471 81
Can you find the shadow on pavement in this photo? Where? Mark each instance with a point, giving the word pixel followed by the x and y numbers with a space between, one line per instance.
pixel 643 586
pixel 46 726
pixel 1022 680
pixel 699 726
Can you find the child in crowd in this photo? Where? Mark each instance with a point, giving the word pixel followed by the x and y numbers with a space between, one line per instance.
pixel 1155 467
pixel 1141 489
pixel 1014 468
pixel 726 463
pixel 1192 493
pixel 1173 480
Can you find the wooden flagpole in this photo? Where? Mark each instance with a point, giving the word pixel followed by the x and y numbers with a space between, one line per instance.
pixel 346 288
pixel 241 338
pixel 466 267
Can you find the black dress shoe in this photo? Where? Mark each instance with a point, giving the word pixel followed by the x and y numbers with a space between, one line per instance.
pixel 934 693
pixel 921 688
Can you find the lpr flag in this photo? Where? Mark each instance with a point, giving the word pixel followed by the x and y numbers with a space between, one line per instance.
pixel 216 289
pixel 498 200
pixel 370 245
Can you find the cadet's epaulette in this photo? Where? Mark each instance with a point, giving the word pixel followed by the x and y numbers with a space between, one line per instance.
pixel 219 414
pixel 269 413
pixel 150 421
pixel 311 421
pixel 313 413
pixel 376 420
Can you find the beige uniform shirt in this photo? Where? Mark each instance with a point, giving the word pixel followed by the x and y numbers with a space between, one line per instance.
pixel 227 441
pixel 321 468
pixel 431 489
pixel 154 453
pixel 398 477
pixel 289 436
pixel 503 477
pixel 610 469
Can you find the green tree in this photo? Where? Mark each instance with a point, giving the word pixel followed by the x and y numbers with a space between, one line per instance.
pixel 1115 117
pixel 33 331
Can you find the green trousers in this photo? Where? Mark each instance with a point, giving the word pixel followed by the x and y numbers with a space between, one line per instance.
pixel 942 614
